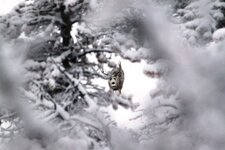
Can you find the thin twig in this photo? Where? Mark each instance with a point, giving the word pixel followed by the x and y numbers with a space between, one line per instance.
pixel 94 51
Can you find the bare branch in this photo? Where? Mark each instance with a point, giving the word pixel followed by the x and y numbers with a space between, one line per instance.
pixel 8 116
pixel 167 105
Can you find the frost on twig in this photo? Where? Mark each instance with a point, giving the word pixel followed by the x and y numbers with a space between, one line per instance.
pixel 46 102
pixel 122 100
pixel 92 106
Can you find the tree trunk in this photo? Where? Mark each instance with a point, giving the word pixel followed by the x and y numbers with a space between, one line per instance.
pixel 66 27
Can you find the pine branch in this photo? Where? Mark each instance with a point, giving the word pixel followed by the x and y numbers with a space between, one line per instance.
pixel 8 116
pixel 76 83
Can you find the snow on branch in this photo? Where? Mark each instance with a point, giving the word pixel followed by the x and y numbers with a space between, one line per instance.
pixel 94 51
pixel 124 101
pixel 92 105
pixel 51 104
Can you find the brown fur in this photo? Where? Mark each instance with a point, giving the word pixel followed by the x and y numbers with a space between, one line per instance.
pixel 116 79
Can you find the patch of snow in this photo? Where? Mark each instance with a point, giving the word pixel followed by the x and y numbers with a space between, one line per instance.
pixel 219 35
pixel 68 2
pixel 6 5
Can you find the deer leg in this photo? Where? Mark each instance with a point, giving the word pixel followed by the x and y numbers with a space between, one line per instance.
pixel 114 103
pixel 119 91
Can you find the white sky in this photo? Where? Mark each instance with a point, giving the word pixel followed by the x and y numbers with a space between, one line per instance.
pixel 136 83
pixel 7 5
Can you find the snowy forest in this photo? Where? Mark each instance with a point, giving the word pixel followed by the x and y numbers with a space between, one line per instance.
pixel 59 60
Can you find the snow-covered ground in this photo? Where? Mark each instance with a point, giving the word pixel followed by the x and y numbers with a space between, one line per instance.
pixel 136 84
pixel 139 86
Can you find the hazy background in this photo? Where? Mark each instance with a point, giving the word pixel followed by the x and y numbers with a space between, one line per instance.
pixel 195 62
